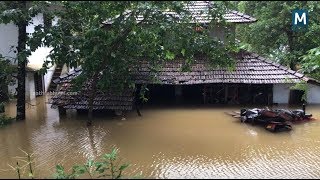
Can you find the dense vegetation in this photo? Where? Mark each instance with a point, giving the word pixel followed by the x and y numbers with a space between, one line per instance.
pixel 273 36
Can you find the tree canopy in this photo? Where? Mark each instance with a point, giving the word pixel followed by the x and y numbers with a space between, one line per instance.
pixel 272 34
pixel 109 39
pixel 139 31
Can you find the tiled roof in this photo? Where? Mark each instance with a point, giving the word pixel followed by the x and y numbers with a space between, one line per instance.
pixel 237 17
pixel 250 69
pixel 66 98
pixel 199 10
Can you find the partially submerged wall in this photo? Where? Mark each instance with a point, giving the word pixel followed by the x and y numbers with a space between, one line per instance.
pixel 313 95
pixel 281 93
pixel 30 86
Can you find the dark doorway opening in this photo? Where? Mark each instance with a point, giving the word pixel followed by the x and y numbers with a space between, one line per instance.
pixel 39 85
pixel 296 97
pixel 160 94
pixel 192 94
pixel 172 94
pixel 261 94
pixel 233 93
pixel 245 94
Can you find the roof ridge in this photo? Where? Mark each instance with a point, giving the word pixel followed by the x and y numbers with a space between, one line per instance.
pixel 243 15
pixel 278 65
pixel 197 6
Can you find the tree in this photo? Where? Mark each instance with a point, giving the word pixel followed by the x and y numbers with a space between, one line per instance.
pixel 110 39
pixel 20 13
pixel 6 71
pixel 311 63
pixel 272 34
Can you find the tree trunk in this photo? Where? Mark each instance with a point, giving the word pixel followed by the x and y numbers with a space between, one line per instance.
pixel 291 47
pixel 22 62
pixel 3 91
pixel 91 98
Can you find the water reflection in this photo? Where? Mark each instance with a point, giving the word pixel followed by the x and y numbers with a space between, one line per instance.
pixel 167 142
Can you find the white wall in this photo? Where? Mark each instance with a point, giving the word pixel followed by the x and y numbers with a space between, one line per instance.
pixel 8 38
pixel 48 78
pixel 30 86
pixel 313 94
pixel 281 93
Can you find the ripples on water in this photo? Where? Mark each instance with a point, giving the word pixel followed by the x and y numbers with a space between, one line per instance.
pixel 172 142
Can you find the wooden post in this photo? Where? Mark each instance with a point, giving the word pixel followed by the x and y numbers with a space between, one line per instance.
pixel 136 104
pixel 138 111
pixel 269 99
pixel 226 93
pixel 204 94
pixel 178 93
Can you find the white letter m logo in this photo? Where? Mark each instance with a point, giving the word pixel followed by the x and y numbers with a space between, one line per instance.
pixel 300 19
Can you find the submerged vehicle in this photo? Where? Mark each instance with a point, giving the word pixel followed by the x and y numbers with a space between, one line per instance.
pixel 274 120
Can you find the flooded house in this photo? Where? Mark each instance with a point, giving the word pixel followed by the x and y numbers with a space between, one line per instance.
pixel 255 80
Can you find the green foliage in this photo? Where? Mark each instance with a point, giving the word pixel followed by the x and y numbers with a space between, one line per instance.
pixel 142 93
pixel 302 86
pixel 106 168
pixel 116 50
pixel 6 72
pixel 272 33
pixel 27 168
pixel 4 120
pixel 311 63
pixel 15 12
pixel 110 39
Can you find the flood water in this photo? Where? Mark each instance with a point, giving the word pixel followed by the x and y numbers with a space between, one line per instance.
pixel 166 142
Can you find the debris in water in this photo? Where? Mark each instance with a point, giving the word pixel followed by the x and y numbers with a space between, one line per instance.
pixel 272 120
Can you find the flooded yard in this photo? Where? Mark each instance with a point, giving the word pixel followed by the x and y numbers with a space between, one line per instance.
pixel 166 142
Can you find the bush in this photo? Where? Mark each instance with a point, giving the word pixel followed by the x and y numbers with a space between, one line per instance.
pixel 107 168
pixel 5 120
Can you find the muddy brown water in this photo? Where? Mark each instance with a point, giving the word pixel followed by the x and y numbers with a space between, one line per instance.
pixel 166 142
